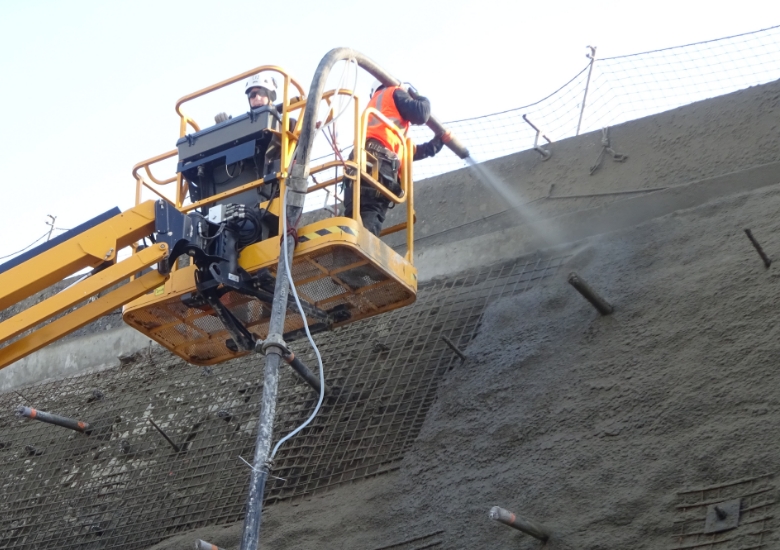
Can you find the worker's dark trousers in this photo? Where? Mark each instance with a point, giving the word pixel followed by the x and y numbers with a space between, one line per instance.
pixel 373 207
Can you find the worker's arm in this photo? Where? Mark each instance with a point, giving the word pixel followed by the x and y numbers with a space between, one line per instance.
pixel 416 111
pixel 429 149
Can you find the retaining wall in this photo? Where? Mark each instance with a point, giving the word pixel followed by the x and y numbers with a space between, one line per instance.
pixel 617 432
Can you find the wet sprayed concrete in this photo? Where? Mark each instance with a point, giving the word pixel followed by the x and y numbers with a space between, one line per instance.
pixel 591 424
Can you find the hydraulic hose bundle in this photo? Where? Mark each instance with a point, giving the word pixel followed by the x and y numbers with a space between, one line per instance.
pixel 246 222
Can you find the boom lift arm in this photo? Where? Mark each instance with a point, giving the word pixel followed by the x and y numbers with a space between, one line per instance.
pixel 94 245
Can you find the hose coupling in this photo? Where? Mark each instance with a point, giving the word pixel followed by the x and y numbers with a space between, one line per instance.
pixel 273 341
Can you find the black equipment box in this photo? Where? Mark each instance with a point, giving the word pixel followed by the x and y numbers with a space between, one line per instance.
pixel 230 154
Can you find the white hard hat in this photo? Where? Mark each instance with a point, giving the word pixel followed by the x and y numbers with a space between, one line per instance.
pixel 262 81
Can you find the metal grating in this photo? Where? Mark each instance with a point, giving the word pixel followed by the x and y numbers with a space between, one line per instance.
pixel 757 496
pixel 124 486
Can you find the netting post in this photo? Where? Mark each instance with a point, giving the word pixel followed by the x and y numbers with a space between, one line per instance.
pixel 592 57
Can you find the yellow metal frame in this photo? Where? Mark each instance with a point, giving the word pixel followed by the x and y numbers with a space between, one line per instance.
pixel 266 254
pixel 98 246
pixel 286 145
pixel 290 105
pixel 289 139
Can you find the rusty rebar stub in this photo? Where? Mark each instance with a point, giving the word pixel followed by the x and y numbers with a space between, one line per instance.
pixel 176 447
pixel 545 153
pixel 527 526
pixel 722 516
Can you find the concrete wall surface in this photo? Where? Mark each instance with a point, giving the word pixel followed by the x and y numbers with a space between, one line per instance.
pixel 87 353
pixel 614 432
pixel 617 431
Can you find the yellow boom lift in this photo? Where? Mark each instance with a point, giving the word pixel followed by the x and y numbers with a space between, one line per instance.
pixel 208 309
pixel 205 279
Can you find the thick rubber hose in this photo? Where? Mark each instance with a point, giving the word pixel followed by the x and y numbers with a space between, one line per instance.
pixel 301 170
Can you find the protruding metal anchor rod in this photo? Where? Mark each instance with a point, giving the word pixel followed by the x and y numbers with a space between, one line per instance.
pixel 589 294
pixel 57 420
pixel 536 530
pixel 162 433
pixel 453 347
pixel 544 152
pixel 305 373
pixel 764 257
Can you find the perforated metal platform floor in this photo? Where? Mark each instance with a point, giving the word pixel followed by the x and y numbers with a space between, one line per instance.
pixel 124 486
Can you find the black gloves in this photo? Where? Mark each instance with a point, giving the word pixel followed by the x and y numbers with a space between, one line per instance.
pixel 436 144
pixel 429 149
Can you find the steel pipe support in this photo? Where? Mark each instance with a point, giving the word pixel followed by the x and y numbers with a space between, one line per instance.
pixel 453 347
pixel 305 373
pixel 203 545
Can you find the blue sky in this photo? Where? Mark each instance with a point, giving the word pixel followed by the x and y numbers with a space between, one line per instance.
pixel 89 88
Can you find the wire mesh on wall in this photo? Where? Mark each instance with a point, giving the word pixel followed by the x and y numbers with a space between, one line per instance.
pixel 621 89
pixel 124 486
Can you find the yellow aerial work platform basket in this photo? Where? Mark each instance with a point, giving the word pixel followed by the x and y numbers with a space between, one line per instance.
pixel 341 271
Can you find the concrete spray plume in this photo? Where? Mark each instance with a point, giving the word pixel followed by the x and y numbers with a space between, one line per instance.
pixel 545 233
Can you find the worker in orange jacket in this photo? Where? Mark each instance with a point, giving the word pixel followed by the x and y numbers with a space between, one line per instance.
pixel 397 105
